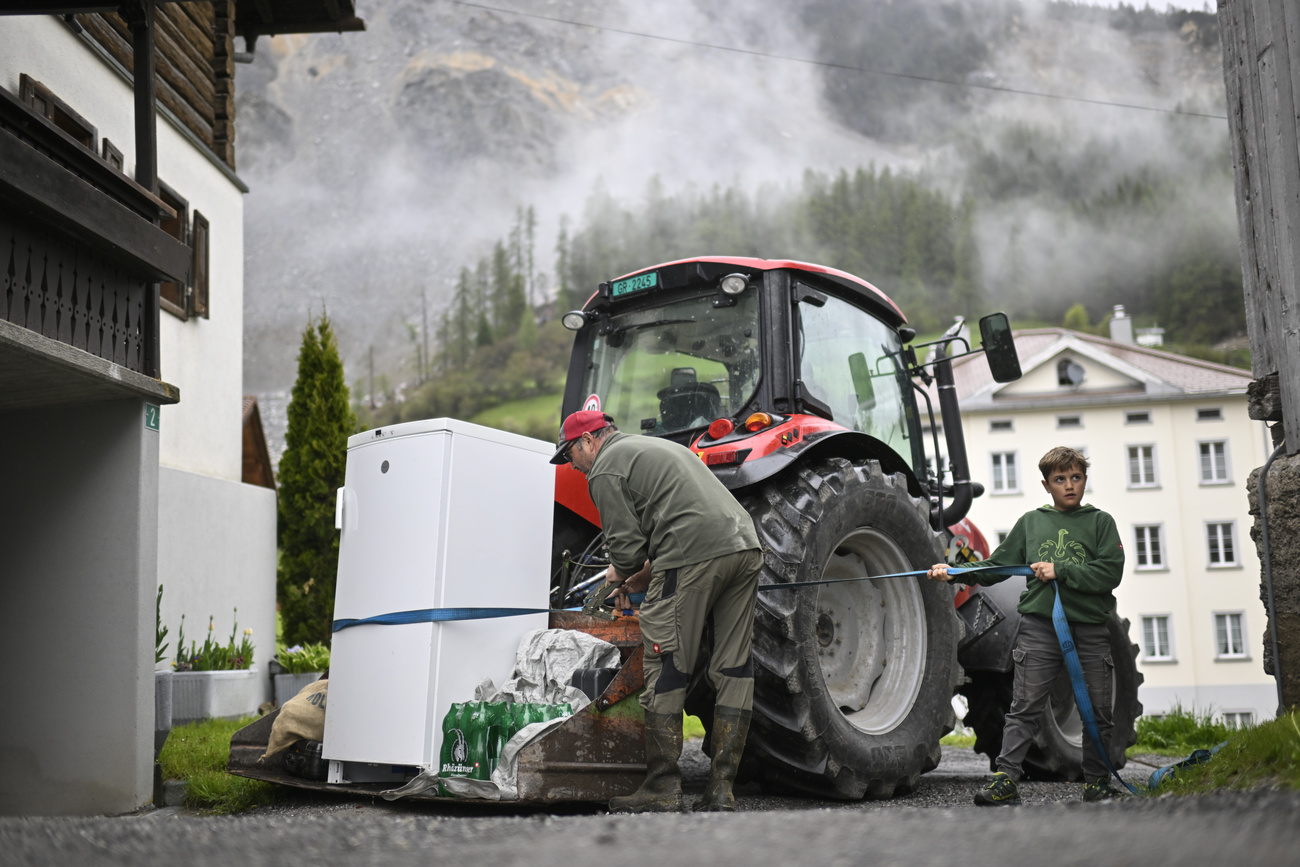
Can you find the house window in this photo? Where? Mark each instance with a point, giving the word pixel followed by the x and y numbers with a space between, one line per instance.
pixel 1001 424
pixel 1212 414
pixel 1238 719
pixel 1219 537
pixel 1002 535
pixel 1229 638
pixel 1214 463
pixel 1005 479
pixel 55 110
pixel 1069 421
pixel 1150 555
pixel 1139 417
pixel 1068 373
pixel 1141 466
pixel 1155 639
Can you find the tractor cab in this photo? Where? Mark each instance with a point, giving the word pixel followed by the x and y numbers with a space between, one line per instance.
pixel 741 359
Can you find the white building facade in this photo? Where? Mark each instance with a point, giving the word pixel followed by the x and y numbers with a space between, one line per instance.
pixel 1171 446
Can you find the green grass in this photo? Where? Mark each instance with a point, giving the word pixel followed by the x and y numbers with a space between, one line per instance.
pixel 953 739
pixel 1178 732
pixel 1266 756
pixel 528 416
pixel 197 753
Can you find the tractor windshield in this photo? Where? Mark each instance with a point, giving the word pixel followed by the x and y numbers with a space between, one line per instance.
pixel 675 367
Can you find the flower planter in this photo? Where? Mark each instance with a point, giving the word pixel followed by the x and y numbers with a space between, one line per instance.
pixel 289 685
pixel 214 694
pixel 162 710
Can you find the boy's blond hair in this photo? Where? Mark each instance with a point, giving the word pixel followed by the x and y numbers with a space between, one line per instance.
pixel 1062 458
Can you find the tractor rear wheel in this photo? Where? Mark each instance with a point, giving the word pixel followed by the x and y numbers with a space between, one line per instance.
pixel 1057 752
pixel 854 681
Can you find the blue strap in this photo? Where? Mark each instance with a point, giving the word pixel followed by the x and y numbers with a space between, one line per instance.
pixel 449 615
pixel 1072 665
pixel 1009 571
pixel 435 615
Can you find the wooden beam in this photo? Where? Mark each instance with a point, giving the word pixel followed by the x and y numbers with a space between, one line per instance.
pixel 1261 41
pixel 43 190
pixel 344 25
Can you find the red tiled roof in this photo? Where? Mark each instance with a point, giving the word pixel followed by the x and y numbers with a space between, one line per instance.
pixel 1191 375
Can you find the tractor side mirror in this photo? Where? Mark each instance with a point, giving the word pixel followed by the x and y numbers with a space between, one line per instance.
pixel 999 347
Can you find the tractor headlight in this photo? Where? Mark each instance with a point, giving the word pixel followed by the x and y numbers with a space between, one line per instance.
pixel 734 284
pixel 574 320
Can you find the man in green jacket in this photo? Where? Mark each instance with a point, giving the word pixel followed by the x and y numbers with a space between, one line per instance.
pixel 1077 547
pixel 674 530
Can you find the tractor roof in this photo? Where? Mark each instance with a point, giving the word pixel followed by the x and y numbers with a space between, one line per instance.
pixel 858 288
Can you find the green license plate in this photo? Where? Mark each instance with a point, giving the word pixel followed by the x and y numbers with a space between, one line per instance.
pixel 648 280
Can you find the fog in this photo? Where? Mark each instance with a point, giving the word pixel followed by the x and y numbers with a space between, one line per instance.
pixel 381 163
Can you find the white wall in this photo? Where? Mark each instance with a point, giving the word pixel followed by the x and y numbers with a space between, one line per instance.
pixel 216 554
pixel 79 519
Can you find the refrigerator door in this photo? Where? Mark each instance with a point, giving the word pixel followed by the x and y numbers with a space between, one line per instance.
pixel 436 514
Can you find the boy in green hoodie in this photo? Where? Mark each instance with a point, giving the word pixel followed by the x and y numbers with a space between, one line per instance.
pixel 1078 547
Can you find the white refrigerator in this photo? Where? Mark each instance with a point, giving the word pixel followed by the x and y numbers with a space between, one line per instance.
pixel 434 514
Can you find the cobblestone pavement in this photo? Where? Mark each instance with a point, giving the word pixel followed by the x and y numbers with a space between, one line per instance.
pixel 937 825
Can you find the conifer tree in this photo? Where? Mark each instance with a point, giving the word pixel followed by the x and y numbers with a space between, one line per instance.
pixel 311 470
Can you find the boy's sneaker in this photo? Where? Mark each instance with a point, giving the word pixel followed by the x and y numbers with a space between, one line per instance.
pixel 1101 791
pixel 1003 791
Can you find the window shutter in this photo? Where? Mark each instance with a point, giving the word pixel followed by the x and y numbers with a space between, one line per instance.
pixel 199 241
pixel 173 294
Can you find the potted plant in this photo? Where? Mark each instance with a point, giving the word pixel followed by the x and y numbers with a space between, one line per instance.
pixel 162 683
pixel 296 667
pixel 215 680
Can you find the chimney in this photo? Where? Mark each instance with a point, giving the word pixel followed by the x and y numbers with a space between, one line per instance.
pixel 1121 327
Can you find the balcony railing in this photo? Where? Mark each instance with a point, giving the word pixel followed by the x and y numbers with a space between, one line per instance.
pixel 80 251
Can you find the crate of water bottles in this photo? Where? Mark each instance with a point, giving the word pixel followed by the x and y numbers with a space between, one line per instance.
pixel 474 734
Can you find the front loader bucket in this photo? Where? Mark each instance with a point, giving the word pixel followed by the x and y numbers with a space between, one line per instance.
pixel 594 755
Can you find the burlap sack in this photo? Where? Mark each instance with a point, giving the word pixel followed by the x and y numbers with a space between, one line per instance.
pixel 301 718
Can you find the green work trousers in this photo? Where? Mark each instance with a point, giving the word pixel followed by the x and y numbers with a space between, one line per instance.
pixel 678 604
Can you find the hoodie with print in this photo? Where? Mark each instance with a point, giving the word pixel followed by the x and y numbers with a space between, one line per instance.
pixel 1084 546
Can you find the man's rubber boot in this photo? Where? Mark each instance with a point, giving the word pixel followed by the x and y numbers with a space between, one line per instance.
pixel 662 790
pixel 730 728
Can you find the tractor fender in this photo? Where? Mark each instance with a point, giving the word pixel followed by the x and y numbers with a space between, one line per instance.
pixel 848 444
pixel 992 650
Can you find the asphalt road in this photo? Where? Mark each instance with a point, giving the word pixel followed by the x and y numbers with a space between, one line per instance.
pixel 937 825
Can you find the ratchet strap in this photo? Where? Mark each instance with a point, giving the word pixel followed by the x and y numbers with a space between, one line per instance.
pixel 451 615
pixel 1081 700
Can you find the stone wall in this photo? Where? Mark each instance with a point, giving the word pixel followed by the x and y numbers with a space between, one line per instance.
pixel 1283 502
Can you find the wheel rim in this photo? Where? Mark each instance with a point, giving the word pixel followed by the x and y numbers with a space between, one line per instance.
pixel 871 635
pixel 1063 712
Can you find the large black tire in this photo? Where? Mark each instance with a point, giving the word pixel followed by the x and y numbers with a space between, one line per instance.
pixel 853 682
pixel 1057 753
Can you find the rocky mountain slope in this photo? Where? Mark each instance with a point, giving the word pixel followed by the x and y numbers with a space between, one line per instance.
pixel 381 163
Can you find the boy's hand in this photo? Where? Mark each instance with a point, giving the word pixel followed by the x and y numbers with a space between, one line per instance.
pixel 939 572
pixel 1044 571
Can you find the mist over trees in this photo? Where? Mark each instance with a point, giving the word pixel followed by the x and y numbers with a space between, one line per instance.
pixel 499 340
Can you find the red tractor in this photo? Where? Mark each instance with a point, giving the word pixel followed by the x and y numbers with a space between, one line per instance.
pixel 797 385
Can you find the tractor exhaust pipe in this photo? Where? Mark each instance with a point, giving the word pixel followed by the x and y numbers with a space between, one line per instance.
pixel 963 494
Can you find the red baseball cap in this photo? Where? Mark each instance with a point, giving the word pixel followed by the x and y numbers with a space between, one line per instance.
pixel 577 424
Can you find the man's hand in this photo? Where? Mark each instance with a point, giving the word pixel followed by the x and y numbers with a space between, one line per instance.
pixel 632 584
pixel 939 572
pixel 1044 571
